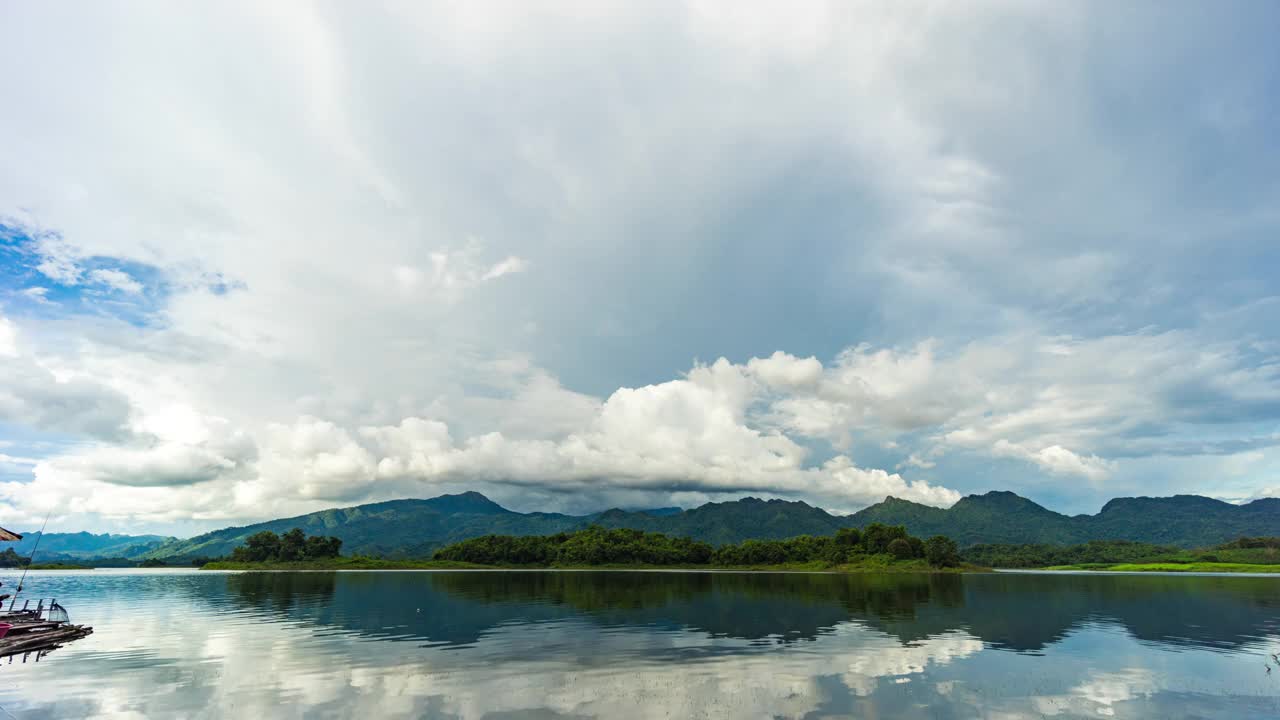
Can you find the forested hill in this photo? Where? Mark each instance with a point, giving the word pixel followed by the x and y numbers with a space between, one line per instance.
pixel 396 528
pixel 731 522
pixel 1004 517
pixel 416 528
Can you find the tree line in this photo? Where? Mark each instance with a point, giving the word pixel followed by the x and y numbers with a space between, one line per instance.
pixel 1264 550
pixel 1252 543
pixel 292 546
pixel 596 545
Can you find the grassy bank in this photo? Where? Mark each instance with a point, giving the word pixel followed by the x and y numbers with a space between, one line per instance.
pixel 59 566
pixel 871 565
pixel 1205 567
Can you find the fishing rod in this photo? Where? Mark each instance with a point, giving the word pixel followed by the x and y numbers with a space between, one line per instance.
pixel 34 548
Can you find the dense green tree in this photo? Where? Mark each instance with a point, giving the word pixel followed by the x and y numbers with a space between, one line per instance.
pixel 619 546
pixel 322 547
pixel 900 549
pixel 258 547
pixel 876 537
pixel 941 551
pixel 293 546
pixel 917 546
pixel 848 537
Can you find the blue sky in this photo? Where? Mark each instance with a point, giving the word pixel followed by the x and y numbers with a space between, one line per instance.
pixel 257 261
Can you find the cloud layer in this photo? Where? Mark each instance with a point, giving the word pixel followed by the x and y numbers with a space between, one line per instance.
pixel 258 259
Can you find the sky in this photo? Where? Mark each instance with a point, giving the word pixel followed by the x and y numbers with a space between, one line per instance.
pixel 259 259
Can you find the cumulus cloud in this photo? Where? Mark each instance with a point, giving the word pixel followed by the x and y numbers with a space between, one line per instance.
pixel 1056 459
pixel 720 430
pixel 687 435
pixel 1069 406
pixel 783 370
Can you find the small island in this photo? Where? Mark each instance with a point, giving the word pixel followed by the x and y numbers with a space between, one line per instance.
pixel 876 548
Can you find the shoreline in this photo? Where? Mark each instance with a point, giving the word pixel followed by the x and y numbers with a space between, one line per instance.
pixel 377 564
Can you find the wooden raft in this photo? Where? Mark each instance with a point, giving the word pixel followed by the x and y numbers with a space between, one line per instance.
pixel 41 637
pixel 38 629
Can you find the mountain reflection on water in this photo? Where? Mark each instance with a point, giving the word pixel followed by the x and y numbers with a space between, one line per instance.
pixel 656 644
pixel 1021 612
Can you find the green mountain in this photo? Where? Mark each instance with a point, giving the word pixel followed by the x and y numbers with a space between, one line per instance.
pixel 83 545
pixel 730 522
pixel 416 528
pixel 1004 517
pixel 397 528
pixel 1184 520
pixel 996 517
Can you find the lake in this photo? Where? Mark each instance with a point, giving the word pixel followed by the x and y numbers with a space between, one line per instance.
pixel 652 645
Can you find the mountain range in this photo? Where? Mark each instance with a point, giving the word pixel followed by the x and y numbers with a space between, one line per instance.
pixel 84 545
pixel 416 528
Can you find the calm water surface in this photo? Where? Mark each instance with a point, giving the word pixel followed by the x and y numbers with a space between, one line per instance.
pixel 653 645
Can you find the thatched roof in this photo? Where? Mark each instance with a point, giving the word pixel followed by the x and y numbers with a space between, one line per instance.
pixel 6 536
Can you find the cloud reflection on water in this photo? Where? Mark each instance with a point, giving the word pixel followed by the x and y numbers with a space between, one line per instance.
pixel 584 645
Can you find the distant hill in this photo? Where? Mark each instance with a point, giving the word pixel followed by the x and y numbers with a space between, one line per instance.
pixel 1004 517
pixel 397 528
pixel 83 545
pixel 416 528
pixel 731 522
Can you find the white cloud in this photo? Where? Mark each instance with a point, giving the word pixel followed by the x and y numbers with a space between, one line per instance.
pixel 8 338
pixel 165 465
pixel 1056 459
pixel 58 258
pixel 116 280
pixel 915 460
pixel 1062 404
pixel 691 434
pixel 37 294
pixel 315 459
pixel 781 369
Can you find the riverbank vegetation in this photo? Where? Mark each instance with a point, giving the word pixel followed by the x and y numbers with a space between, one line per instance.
pixel 877 548
pixel 1248 554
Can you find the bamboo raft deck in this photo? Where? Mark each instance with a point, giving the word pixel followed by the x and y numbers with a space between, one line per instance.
pixel 39 629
